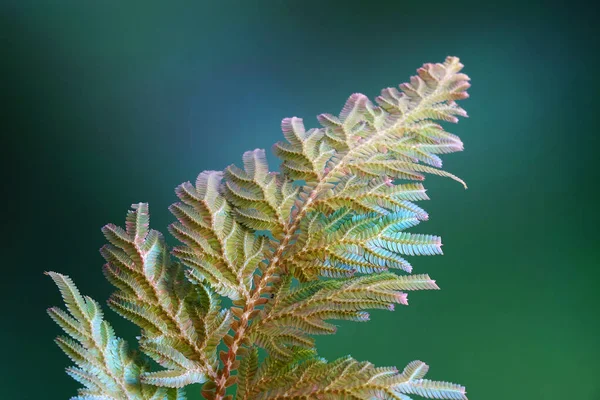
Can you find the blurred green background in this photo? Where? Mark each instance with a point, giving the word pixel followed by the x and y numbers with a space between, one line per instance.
pixel 107 103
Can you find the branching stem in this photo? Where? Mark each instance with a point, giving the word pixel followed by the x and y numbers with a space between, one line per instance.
pixel 257 291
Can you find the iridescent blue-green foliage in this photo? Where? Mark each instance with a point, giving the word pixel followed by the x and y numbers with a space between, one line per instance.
pixel 104 364
pixel 337 246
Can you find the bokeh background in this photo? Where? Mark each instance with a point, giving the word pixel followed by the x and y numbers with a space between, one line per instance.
pixel 107 103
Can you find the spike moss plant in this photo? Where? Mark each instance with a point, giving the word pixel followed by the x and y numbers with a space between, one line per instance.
pixel 325 239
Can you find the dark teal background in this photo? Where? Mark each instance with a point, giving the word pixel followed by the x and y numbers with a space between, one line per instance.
pixel 107 103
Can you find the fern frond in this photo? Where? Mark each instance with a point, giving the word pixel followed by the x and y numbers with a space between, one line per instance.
pixel 262 199
pixel 400 131
pixel 336 219
pixel 344 243
pixel 346 378
pixel 350 216
pixel 273 372
pixel 297 313
pixel 179 320
pixel 305 153
pixel 360 154
pixel 105 366
pixel 246 374
pixel 218 249
pixel 377 195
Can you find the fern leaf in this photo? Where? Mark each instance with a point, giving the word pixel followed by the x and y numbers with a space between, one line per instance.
pixel 401 128
pixel 305 154
pixel 214 240
pixel 348 378
pixel 346 243
pixel 154 294
pixel 246 374
pixel 378 195
pixel 175 378
pixel 276 371
pixel 303 311
pixel 263 199
pixel 105 366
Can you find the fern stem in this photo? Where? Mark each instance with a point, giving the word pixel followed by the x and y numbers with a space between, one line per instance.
pixel 257 291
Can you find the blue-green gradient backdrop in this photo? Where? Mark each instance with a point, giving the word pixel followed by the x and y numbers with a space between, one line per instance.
pixel 107 103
